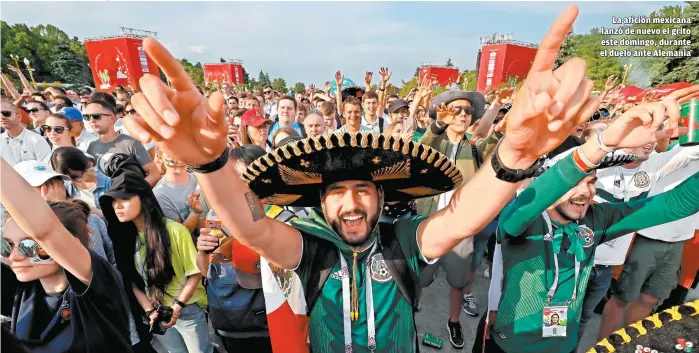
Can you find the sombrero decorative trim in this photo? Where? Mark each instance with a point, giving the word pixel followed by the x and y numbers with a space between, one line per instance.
pixel 296 173
pixel 673 330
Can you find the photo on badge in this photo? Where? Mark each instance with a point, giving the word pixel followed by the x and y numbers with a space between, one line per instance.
pixel 555 321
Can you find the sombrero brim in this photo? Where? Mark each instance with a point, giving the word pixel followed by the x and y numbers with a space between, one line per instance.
pixel 296 173
pixel 667 331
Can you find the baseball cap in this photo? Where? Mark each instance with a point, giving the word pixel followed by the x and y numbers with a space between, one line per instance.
pixel 72 113
pixel 37 173
pixel 253 117
pixel 396 105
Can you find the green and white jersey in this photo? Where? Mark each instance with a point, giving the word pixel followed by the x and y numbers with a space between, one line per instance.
pixel 394 321
pixel 528 258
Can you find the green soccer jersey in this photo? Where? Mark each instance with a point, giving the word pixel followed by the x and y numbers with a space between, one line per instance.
pixel 394 321
pixel 528 260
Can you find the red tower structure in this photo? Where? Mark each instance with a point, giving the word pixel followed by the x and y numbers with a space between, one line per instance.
pixel 228 72
pixel 503 60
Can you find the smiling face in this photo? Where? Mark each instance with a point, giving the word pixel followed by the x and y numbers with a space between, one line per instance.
pixel 644 151
pixel 353 116
pixel 24 269
pixel 353 209
pixel 37 113
pixel 127 209
pixel 574 204
pixel 462 120
pixel 371 105
pixel 286 112
pixel 58 138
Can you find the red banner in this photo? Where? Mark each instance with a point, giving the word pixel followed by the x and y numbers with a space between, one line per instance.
pixel 444 75
pixel 221 73
pixel 118 62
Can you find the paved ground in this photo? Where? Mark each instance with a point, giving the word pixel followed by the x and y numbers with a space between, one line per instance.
pixel 434 314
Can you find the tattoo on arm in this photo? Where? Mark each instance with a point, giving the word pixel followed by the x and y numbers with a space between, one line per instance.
pixel 255 206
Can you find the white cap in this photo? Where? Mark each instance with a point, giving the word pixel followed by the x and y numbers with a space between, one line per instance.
pixel 37 173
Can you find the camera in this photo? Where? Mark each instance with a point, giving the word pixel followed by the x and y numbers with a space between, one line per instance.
pixel 164 316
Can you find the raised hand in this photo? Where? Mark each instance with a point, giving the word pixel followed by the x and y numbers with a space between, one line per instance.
pixel 339 78
pixel 550 103
pixel 611 82
pixel 312 88
pixel 504 94
pixel 683 95
pixel 183 123
pixel 640 125
pixel 445 114
pixel 367 78
pixel 13 68
pixel 425 86
pixel 385 74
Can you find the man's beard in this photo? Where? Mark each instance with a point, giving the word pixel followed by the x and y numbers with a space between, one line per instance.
pixel 356 240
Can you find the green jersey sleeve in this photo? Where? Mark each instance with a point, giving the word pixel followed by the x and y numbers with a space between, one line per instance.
pixel 539 195
pixel 628 217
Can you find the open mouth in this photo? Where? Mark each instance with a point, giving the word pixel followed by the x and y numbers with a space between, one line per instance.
pixel 352 222
pixel 648 149
pixel 578 205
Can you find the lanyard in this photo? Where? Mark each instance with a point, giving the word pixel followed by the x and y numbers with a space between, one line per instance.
pixel 347 322
pixel 549 238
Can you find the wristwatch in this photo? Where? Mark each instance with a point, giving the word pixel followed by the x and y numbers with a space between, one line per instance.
pixel 512 175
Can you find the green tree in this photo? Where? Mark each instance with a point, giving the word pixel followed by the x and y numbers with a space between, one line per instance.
pixel 246 76
pixel 264 80
pixel 196 72
pixel 469 81
pixel 279 84
pixel 407 86
pixel 67 67
pixel 299 87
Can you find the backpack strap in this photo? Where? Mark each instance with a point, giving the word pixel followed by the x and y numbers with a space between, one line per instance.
pixel 394 257
pixel 476 156
pixel 381 125
pixel 324 259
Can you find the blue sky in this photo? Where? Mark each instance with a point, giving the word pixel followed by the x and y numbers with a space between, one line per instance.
pixel 308 41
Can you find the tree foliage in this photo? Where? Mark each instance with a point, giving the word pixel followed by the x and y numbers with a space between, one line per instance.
pixel 52 54
pixel 279 84
pixel 299 87
pixel 195 71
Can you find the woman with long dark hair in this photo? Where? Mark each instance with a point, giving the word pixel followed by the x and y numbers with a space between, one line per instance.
pixel 158 258
pixel 64 297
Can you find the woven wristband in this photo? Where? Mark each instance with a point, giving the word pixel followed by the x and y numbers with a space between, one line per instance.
pixel 211 167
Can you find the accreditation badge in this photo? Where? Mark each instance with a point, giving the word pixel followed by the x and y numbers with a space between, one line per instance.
pixel 555 321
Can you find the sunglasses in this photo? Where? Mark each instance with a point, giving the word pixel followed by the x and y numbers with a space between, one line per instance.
pixel 266 92
pixel 96 116
pixel 131 112
pixel 467 109
pixel 6 113
pixel 34 110
pixel 57 129
pixel 28 248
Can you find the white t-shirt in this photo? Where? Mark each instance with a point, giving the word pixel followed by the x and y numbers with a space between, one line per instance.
pixel 445 198
pixel 620 184
pixel 27 146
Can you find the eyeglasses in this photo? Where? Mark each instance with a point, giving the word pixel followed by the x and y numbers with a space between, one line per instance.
pixel 35 110
pixel 96 116
pixel 467 109
pixel 6 113
pixel 266 92
pixel 131 112
pixel 76 177
pixel 27 247
pixel 57 129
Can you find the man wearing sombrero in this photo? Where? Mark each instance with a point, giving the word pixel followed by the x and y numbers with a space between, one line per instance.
pixel 359 306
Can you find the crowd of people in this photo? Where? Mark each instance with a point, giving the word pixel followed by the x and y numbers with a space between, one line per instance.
pixel 311 221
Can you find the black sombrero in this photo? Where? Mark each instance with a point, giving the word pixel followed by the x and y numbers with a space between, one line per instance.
pixel 296 173
pixel 673 330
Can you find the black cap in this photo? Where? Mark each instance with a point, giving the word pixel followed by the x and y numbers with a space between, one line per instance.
pixel 397 104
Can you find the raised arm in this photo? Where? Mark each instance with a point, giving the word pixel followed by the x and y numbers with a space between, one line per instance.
pixel 385 76
pixel 10 87
pixel 546 110
pixel 192 129
pixel 629 217
pixel 34 216
pixel 25 82
pixel 339 78
pixel 487 120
